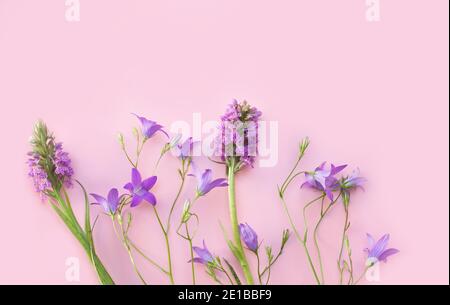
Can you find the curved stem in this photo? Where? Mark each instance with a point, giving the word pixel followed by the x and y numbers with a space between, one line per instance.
pixel 180 189
pixel 316 243
pixel 166 238
pixel 234 223
pixel 127 247
pixel 138 250
pixel 303 242
pixel 191 252
pixel 362 275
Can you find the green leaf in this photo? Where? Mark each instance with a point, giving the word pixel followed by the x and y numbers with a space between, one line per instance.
pixel 233 272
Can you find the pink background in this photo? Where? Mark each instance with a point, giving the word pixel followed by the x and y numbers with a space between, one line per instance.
pixel 370 94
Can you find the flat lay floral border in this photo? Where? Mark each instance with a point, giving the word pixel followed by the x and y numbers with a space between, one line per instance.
pixel 236 148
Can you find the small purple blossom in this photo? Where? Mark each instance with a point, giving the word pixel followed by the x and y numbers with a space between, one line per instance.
pixel 62 163
pixel 347 184
pixel 184 150
pixel 323 179
pixel 204 181
pixel 110 203
pixel 377 250
pixel 249 236
pixel 203 255
pixel 38 174
pixel 149 128
pixel 140 190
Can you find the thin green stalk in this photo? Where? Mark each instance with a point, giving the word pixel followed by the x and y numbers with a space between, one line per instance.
pixel 127 247
pixel 303 242
pixel 258 267
pixel 166 237
pixel 344 231
pixel 362 275
pixel 316 243
pixel 183 173
pixel 191 249
pixel 235 224
pixel 138 250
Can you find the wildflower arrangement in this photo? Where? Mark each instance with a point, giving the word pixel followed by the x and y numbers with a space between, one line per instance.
pixel 236 148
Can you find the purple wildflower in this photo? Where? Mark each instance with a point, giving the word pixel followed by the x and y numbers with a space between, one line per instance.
pixel 203 255
pixel 139 189
pixel 323 179
pixel 184 150
pixel 38 174
pixel 62 165
pixel 149 128
pixel 238 136
pixel 249 236
pixel 49 166
pixel 348 183
pixel 377 250
pixel 204 181
pixel 110 203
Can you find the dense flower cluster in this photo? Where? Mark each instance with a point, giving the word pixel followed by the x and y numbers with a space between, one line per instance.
pixel 238 134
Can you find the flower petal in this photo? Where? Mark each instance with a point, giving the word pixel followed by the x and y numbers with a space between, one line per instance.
pixel 128 186
pixel 386 253
pixel 135 201
pixel 149 197
pixel 135 177
pixel 149 182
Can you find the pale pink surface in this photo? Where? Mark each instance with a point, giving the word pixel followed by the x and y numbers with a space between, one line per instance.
pixel 374 95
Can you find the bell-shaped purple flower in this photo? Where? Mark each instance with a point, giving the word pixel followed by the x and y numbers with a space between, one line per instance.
pixel 204 181
pixel 323 179
pixel 139 189
pixel 184 150
pixel 249 236
pixel 377 250
pixel 110 203
pixel 349 183
pixel 203 255
pixel 149 128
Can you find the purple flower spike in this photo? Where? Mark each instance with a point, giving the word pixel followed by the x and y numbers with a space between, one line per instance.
pixel 139 189
pixel 149 128
pixel 377 250
pixel 110 203
pixel 249 236
pixel 184 150
pixel 203 255
pixel 204 181
pixel 323 179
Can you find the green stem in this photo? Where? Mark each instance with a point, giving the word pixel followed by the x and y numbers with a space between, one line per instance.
pixel 303 242
pixel 166 238
pixel 258 267
pixel 316 243
pixel 127 246
pixel 362 275
pixel 191 252
pixel 235 224
pixel 184 171
pixel 138 250
pixel 344 231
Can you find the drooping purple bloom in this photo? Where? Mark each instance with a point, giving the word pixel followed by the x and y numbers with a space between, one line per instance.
pixel 347 184
pixel 38 174
pixel 204 181
pixel 377 250
pixel 149 128
pixel 110 203
pixel 184 150
pixel 323 179
pixel 62 163
pixel 140 190
pixel 238 133
pixel 203 255
pixel 249 236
